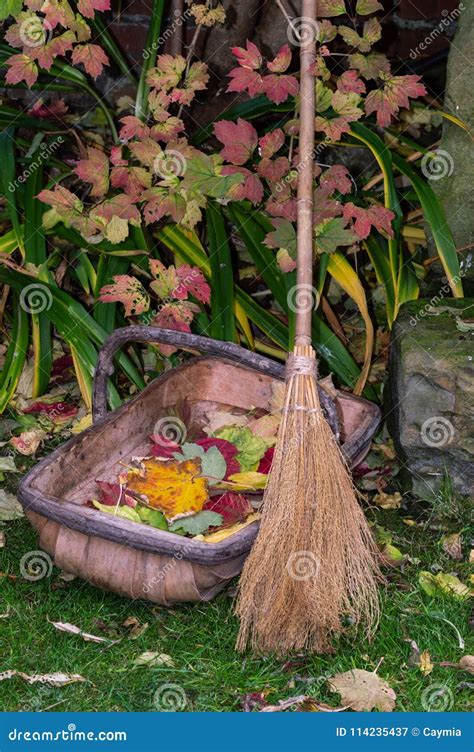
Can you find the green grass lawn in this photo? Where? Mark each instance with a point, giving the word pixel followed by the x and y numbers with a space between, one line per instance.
pixel 200 639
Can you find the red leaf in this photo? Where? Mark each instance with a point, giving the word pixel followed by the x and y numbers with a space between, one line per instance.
pixel 21 68
pixel 92 57
pixel 251 188
pixel 365 219
pixel 266 461
pixel 282 60
pixel 248 58
pixel 350 82
pixel 273 169
pixel 271 143
pixel 191 281
pixel 245 79
pixel 55 109
pixel 278 88
pixel 113 494
pixel 88 7
pixel 336 179
pixel 94 170
pixel 163 447
pixel 133 127
pixel 240 140
pixel 228 450
pixel 127 290
pixel 58 412
pixel 232 506
pixel 395 94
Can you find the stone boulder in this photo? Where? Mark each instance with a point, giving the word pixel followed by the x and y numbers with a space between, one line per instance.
pixel 430 400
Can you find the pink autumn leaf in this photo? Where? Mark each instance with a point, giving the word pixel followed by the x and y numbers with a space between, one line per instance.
pixel 94 170
pixel 191 282
pixel 251 188
pixel 55 109
pixel 21 68
pixel 60 198
pixel 163 447
pixel 240 140
pixel 396 93
pixel 245 79
pixel 266 461
pixel 279 87
pixel 127 290
pixel 282 60
pixel 271 143
pixel 88 7
pixel 114 494
pixel 375 216
pixel 231 506
pixel 273 169
pixel 122 206
pixel 336 178
pixel 92 57
pixel 177 316
pixel 249 57
pixel 350 82
pixel 132 128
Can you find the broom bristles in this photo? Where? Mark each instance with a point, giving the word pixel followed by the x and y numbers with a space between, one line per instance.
pixel 314 561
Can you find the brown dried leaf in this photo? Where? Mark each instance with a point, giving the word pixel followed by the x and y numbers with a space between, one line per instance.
pixel 452 545
pixel 72 629
pixel 467 663
pixel 426 666
pixel 363 690
pixel 388 501
pixel 54 680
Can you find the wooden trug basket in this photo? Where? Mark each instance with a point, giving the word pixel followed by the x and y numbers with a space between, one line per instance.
pixel 136 560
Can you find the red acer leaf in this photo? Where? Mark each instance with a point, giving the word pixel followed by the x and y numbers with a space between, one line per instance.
pixel 365 219
pixel 395 94
pixel 282 60
pixel 336 179
pixel 279 87
pixel 168 130
pixel 251 188
pixel 240 140
pixel 246 79
pixel 231 506
pixel 60 198
pixel 21 68
pixel 249 57
pixel 57 412
pixel 92 57
pixel 271 143
pixel 333 127
pixel 88 7
pixel 350 82
pixel 133 180
pixel 55 109
pixel 177 316
pixel 266 461
pixel 94 170
pixel 133 128
pixel 127 290
pixel 163 447
pixel 146 150
pixel 191 281
pixel 114 494
pixel 286 209
pixel 121 206
pixel 228 450
pixel 273 169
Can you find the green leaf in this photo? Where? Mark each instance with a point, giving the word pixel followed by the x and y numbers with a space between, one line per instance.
pixel 152 517
pixel 213 464
pixel 202 177
pixel 222 281
pixel 197 524
pixel 331 234
pixel 118 511
pixel 10 8
pixel 10 507
pixel 251 448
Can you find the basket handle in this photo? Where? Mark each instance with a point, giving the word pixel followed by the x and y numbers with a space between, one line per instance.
pixel 138 333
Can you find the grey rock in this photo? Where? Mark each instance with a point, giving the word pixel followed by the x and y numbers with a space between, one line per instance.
pixel 430 401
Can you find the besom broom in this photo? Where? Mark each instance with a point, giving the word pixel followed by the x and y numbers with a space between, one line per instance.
pixel 314 561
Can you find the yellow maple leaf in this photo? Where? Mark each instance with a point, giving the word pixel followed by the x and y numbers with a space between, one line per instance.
pixel 221 535
pixel 172 486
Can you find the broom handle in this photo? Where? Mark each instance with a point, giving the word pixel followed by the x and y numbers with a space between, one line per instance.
pixel 304 257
